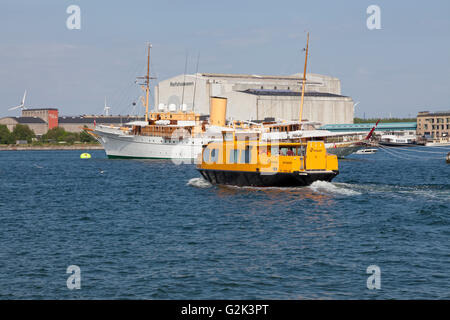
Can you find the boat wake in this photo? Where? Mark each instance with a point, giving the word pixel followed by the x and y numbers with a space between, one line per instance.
pixel 426 191
pixel 317 186
pixel 334 188
pixel 199 183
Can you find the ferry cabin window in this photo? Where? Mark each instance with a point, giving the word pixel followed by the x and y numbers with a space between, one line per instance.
pixel 284 151
pixel 300 151
pixel 292 151
pixel 214 155
pixel 246 155
pixel 206 155
pixel 275 150
pixel 234 156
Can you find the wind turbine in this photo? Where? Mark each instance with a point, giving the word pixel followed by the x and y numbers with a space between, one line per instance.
pixel 106 109
pixel 22 105
pixel 354 107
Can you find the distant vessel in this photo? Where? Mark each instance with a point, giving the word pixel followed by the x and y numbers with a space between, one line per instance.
pixel 442 142
pixel 397 140
pixel 258 164
pixel 346 148
pixel 367 151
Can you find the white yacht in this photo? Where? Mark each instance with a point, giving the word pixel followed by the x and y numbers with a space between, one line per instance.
pixel 441 142
pixel 398 140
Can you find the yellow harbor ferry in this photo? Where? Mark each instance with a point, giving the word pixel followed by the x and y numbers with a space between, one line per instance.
pixel 265 164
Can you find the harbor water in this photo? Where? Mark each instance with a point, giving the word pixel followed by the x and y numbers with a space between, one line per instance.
pixel 155 230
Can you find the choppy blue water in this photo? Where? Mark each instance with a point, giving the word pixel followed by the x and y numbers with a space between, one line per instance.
pixel 154 230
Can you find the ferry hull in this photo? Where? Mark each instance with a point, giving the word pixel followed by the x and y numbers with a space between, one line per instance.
pixel 257 179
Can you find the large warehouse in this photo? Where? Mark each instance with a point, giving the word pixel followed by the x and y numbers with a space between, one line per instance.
pixel 255 97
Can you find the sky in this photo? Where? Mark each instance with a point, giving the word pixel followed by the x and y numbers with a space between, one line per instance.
pixel 397 70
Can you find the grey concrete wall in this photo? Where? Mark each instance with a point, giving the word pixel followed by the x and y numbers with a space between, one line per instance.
pixel 323 110
pixel 170 91
pixel 328 110
pixel 38 128
pixel 241 106
pixel 74 127
pixel 9 122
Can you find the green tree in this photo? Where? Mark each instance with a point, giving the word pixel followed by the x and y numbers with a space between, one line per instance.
pixel 23 132
pixel 59 134
pixel 5 135
pixel 71 137
pixel 56 134
pixel 86 137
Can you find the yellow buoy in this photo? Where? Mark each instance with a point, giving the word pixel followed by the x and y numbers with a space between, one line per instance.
pixel 85 156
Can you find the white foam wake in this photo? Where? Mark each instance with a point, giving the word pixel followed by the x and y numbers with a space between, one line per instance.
pixel 328 187
pixel 199 183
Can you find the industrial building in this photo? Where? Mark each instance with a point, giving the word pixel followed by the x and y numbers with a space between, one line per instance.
pixel 42 120
pixel 36 124
pixel 256 97
pixel 433 124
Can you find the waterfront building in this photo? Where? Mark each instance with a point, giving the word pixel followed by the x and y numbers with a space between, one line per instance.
pixel 36 124
pixel 433 124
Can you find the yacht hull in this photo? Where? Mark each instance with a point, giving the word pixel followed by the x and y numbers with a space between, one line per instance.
pixel 119 146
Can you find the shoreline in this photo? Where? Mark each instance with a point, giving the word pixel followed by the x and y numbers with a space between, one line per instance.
pixel 51 147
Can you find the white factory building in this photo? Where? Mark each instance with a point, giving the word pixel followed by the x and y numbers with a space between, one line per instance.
pixel 256 97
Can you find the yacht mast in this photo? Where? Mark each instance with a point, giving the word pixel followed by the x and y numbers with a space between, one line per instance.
pixel 304 79
pixel 147 83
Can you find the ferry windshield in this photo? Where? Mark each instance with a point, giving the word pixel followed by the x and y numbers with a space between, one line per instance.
pixel 291 151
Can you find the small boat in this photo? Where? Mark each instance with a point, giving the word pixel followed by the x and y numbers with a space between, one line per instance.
pixel 442 142
pixel 448 158
pixel 367 151
pixel 264 164
pixel 396 140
